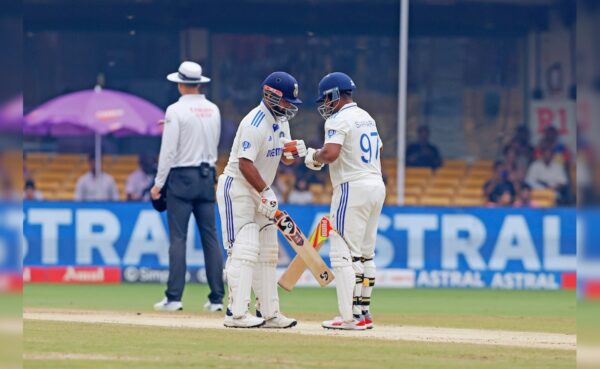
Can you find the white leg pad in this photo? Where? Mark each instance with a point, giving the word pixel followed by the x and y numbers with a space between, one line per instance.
pixel 244 255
pixel 368 284
pixel 341 262
pixel 265 273
pixel 359 275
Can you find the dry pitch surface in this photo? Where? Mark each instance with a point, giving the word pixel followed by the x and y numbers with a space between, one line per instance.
pixel 538 340
pixel 114 327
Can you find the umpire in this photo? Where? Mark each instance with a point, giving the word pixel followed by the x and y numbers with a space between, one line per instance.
pixel 186 166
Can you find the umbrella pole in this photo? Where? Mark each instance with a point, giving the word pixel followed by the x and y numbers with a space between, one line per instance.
pixel 98 162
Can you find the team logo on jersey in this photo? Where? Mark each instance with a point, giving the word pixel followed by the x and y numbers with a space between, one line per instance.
pixel 330 133
pixel 295 90
pixel 246 145
pixel 281 134
pixel 275 127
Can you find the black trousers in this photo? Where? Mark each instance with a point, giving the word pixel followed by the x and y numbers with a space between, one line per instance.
pixel 192 191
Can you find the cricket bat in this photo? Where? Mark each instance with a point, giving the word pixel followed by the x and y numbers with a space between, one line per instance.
pixel 296 268
pixel 303 248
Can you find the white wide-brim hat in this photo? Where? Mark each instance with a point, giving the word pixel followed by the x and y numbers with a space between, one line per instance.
pixel 189 72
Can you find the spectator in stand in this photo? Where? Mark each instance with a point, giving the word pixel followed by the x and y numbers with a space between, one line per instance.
pixel 500 182
pixel 300 195
pixel 521 143
pixel 524 198
pixel 140 181
pixel 516 167
pixel 422 153
pixel 96 187
pixel 562 154
pixel 30 192
pixel 504 197
pixel 547 173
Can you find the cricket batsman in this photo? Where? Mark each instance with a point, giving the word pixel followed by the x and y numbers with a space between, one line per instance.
pixel 352 149
pixel 247 205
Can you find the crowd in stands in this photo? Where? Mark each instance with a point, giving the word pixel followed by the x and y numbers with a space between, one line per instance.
pixel 520 169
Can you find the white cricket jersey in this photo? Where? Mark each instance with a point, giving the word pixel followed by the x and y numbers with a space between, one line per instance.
pixel 190 137
pixel 356 131
pixel 258 139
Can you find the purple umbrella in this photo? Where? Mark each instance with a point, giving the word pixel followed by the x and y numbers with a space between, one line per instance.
pixel 11 115
pixel 96 111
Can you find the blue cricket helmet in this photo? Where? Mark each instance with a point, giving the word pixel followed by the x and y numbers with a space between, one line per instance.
pixel 336 81
pixel 283 85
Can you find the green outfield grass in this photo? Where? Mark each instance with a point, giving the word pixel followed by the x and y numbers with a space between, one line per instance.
pixel 543 311
pixel 77 345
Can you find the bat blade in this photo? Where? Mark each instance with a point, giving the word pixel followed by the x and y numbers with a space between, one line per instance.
pixel 304 249
pixel 297 266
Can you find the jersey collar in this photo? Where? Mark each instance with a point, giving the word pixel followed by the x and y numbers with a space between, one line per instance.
pixel 267 112
pixel 192 97
pixel 347 106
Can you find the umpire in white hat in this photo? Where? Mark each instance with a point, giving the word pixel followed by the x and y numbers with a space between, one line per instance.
pixel 186 167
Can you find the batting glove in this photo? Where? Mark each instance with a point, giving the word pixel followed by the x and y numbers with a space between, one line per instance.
pixel 268 203
pixel 293 149
pixel 310 161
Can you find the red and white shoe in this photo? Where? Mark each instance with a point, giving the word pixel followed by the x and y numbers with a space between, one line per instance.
pixel 339 323
pixel 367 321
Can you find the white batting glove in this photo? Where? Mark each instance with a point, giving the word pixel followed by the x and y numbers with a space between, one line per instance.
pixel 310 161
pixel 293 149
pixel 268 203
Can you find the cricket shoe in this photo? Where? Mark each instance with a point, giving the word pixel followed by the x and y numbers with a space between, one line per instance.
pixel 246 321
pixel 339 323
pixel 209 306
pixel 278 321
pixel 166 305
pixel 367 321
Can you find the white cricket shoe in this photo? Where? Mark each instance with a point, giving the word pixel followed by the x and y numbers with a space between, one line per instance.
pixel 280 321
pixel 247 321
pixel 339 323
pixel 209 306
pixel 166 305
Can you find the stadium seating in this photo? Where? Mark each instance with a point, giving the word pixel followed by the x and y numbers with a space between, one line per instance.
pixel 457 183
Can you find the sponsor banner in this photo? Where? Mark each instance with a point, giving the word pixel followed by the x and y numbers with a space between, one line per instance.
pixel 497 280
pixel 135 274
pixel 569 281
pixel 444 247
pixel 558 113
pixel 72 274
pixel 11 282
pixel 399 278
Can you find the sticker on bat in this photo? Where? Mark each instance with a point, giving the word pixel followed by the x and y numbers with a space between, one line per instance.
pixel 324 276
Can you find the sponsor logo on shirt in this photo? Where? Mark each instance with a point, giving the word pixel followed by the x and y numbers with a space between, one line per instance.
pixel 367 123
pixel 270 139
pixel 274 152
pixel 281 134
pixel 330 133
pixel 246 145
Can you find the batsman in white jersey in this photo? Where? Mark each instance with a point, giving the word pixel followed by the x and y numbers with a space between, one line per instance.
pixel 247 205
pixel 353 151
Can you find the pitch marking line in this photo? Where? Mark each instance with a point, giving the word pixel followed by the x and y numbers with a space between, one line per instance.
pixel 538 340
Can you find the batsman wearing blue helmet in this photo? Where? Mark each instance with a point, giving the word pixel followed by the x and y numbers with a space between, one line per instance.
pixel 247 205
pixel 353 151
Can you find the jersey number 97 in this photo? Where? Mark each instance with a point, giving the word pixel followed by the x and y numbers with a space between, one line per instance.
pixel 369 144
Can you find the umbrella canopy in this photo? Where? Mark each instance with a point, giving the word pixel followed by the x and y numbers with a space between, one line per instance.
pixel 11 115
pixel 96 111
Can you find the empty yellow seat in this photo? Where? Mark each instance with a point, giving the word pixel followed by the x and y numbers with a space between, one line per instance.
pixel 439 191
pixel 468 201
pixel 435 200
